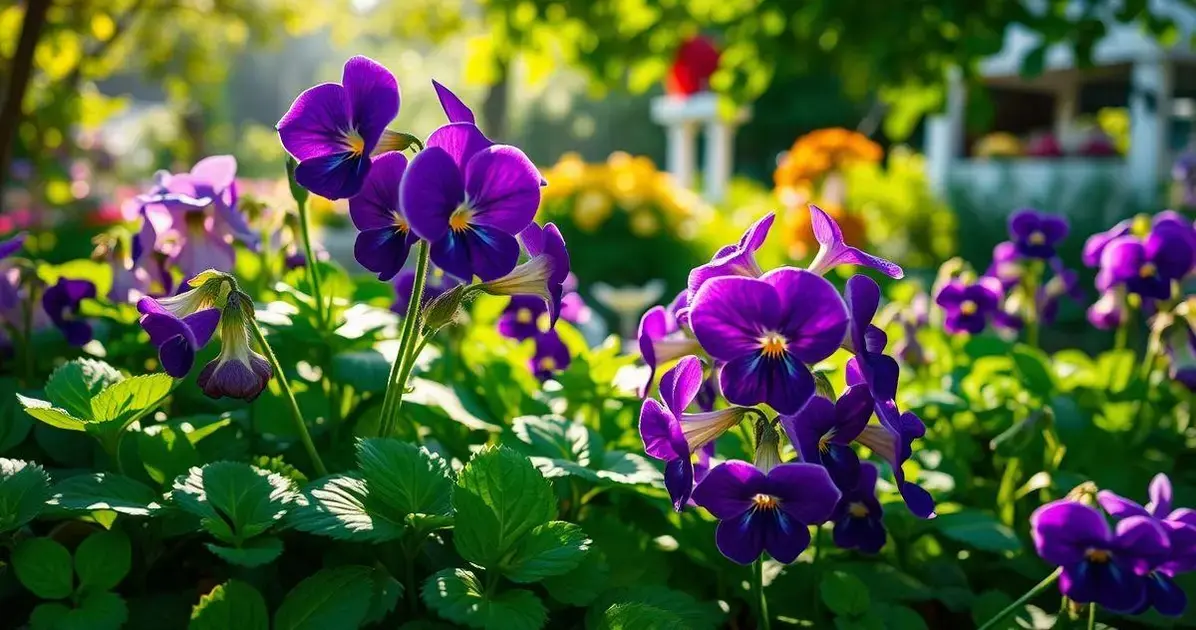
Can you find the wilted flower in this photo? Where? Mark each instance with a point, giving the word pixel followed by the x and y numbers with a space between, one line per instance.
pixel 385 238
pixel 858 517
pixel 766 330
pixel 238 372
pixel 551 355
pixel 470 198
pixel 832 251
pixel 1035 234
pixel 332 129
pixel 61 303
pixel 177 338
pixel 969 307
pixel 770 512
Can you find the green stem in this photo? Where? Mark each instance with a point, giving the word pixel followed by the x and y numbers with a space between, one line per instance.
pixel 1033 280
pixel 312 272
pixel 763 622
pixel 1021 601
pixel 405 375
pixel 394 388
pixel 1092 616
pixel 300 425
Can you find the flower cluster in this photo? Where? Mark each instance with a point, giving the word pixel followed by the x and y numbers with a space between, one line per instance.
pixel 820 152
pixel 1145 257
pixel 751 337
pixel 1128 568
pixel 59 305
pixel 527 317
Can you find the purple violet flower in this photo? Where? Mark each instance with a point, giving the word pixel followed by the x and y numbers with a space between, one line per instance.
pixel 385 239
pixel 470 198
pixel 332 129
pixel 661 340
pixel 771 511
pixel 1147 266
pixel 880 371
pixel 547 242
pixel 858 517
pixel 822 431
pixel 61 303
pixel 732 260
pixel 551 355
pixel 766 330
pixel 969 307
pixel 239 371
pixel 832 251
pixel 437 284
pixel 1095 246
pixel 521 319
pixel 1035 234
pixel 177 338
pixel 1099 565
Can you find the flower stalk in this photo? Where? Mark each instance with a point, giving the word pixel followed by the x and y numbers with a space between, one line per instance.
pixel 313 274
pixel 763 622
pixel 1021 601
pixel 400 370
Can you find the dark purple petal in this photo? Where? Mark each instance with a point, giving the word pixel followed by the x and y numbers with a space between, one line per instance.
pixel 1123 258
pixel 784 537
pixel 1109 584
pixel 813 318
pixel 739 538
pixel 502 187
pixel 730 313
pixel 806 428
pixel 653 326
pixel 781 382
pixel 377 205
pixel 832 251
pixel 679 385
pixel 1095 245
pixel 1170 250
pixel 679 480
pixel 520 320
pixel 1054 228
pixel 1165 595
pixel 203 325
pixel 804 491
pixel 373 95
pixel 1142 541
pixel 461 141
pixel 919 502
pixel 1064 530
pixel 1023 223
pixel 163 327
pixel 383 250
pixel 727 490
pixel 454 109
pixel 661 432
pixel 333 176
pixel 485 252
pixel 314 126
pixel 551 356
pixel 735 260
pixel 852 412
pixel 430 192
pixel 234 378
pixel 865 533
pixel 177 355
pixel 862 296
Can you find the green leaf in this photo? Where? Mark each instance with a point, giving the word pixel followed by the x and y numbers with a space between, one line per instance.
pixel 900 617
pixel 44 567
pixel 339 507
pixel 583 584
pixel 628 468
pixel 252 553
pixel 50 616
pixel 639 616
pixel 844 594
pixel 499 497
pixel 387 592
pixel 553 548
pixel 554 437
pixel 404 478
pixel 332 599
pixel 121 404
pixel 14 422
pixel 165 452
pixel 95 611
pixel 105 491
pixel 24 489
pixel 988 604
pixel 458 596
pixel 1033 367
pixel 1116 368
pixel 694 614
pixel 74 384
pixel 363 370
pixel 102 560
pixel 233 604
pixel 51 415
pixel 234 501
pixel 979 530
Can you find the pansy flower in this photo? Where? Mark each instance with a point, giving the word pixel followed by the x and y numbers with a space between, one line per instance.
pixel 734 260
pixel 470 198
pixel 766 330
pixel 858 517
pixel 521 319
pixel 12 244
pixel 436 284
pixel 1095 246
pixel 177 338
pixel 332 129
pixel 61 303
pixel 969 307
pixel 1035 234
pixel 822 431
pixel 385 239
pixel 880 371
pixel 771 512
pixel 660 341
pixel 1147 266
pixel 1099 565
pixel 551 355
pixel 832 251
pixel 574 309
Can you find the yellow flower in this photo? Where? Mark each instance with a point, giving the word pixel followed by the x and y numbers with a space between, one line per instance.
pixel 644 223
pixel 998 144
pixel 591 209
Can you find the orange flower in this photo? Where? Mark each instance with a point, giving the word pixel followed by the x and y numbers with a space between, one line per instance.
pixel 820 152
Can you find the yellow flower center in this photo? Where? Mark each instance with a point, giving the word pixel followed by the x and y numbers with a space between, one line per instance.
pixel 354 142
pixel 400 223
pixel 1147 270
pixel 1097 555
pixel 459 221
pixel 1036 238
pixel 857 509
pixel 765 502
pixel 968 307
pixel 523 316
pixel 547 364
pixel 772 345
pixel 824 442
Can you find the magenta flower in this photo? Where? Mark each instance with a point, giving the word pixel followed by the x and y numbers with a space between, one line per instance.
pixel 1035 234
pixel 551 355
pixel 1095 246
pixel 832 251
pixel 858 517
pixel 767 330
pixel 470 198
pixel 969 307
pixel 385 238
pixel 61 303
pixel 332 129
pixel 771 511
pixel 734 260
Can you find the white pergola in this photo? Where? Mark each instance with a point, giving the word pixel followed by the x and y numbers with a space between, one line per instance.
pixel 682 118
pixel 1125 50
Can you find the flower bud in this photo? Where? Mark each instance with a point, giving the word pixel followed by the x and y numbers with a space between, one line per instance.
pixel 238 372
pixel 768 446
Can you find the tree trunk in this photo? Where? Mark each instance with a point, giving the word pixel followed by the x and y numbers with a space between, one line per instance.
pixel 496 107
pixel 21 69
